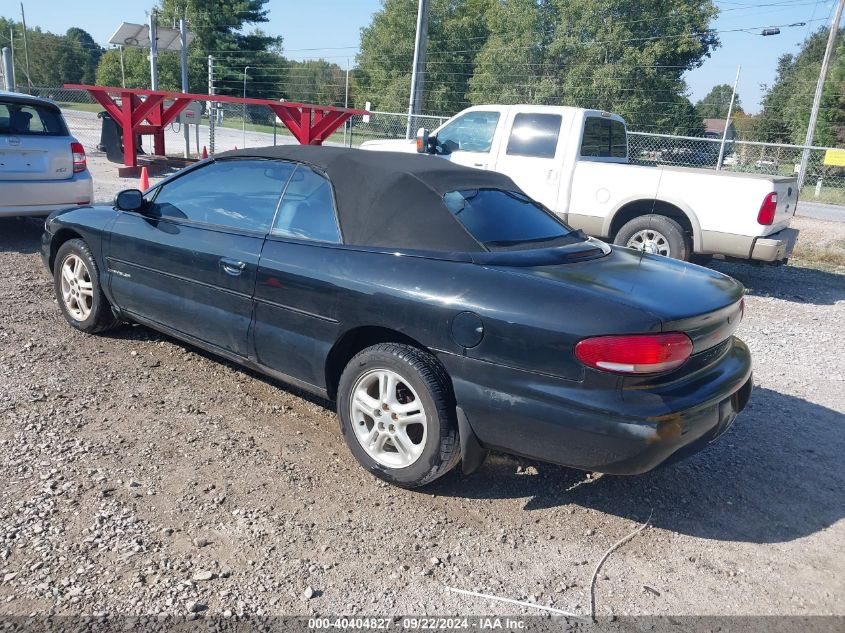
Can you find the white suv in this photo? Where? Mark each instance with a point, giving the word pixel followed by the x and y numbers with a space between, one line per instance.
pixel 42 167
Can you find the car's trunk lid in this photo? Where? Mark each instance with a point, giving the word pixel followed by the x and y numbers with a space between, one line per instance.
pixel 701 302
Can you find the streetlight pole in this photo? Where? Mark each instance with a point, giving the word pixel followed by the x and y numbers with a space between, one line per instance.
pixel 814 113
pixel 418 71
pixel 246 68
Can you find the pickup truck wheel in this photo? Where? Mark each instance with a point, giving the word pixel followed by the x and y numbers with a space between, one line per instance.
pixel 76 280
pixel 655 234
pixel 397 414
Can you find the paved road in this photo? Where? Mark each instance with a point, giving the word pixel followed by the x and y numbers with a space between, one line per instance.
pixel 821 211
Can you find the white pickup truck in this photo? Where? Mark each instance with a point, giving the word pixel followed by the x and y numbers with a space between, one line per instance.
pixel 575 162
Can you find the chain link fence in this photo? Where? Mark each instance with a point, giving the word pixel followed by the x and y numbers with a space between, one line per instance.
pixel 236 125
pixel 822 182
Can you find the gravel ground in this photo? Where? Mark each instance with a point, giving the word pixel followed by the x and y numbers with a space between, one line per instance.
pixel 142 476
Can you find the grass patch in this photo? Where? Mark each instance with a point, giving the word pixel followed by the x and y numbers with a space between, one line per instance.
pixel 83 107
pixel 829 255
pixel 827 195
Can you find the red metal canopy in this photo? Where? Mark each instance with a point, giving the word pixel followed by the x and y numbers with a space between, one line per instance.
pixel 310 124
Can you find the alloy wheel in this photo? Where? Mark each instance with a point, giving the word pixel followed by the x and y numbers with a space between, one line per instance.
pixel 388 418
pixel 77 287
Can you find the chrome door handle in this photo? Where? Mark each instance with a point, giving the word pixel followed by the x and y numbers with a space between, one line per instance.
pixel 232 267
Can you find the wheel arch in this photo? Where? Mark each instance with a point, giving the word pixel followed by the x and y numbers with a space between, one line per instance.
pixel 674 209
pixel 355 340
pixel 60 237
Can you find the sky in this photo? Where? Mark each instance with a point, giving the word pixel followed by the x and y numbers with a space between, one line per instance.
pixel 330 29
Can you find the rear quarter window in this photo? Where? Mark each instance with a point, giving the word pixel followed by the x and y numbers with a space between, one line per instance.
pixel 504 219
pixel 23 119
pixel 604 138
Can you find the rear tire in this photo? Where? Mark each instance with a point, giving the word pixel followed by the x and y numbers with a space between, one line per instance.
pixel 397 414
pixel 654 234
pixel 76 281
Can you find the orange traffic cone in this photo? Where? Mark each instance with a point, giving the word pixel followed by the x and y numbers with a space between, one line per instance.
pixel 204 152
pixel 145 179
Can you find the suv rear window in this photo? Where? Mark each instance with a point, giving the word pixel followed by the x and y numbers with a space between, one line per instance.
pixel 605 138
pixel 504 219
pixel 26 119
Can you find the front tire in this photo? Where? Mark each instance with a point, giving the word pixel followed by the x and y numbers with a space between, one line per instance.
pixel 655 234
pixel 76 281
pixel 397 414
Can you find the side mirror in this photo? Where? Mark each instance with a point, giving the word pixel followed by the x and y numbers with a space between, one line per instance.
pixel 425 142
pixel 129 200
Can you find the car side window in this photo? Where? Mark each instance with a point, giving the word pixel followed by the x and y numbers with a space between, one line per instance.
pixel 534 134
pixel 237 193
pixel 470 132
pixel 307 210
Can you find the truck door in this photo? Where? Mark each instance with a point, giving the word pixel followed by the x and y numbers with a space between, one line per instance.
pixel 533 154
pixel 468 139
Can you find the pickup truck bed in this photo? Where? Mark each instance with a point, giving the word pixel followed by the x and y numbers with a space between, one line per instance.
pixel 575 162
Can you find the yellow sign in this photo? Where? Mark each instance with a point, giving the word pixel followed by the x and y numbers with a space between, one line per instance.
pixel 835 157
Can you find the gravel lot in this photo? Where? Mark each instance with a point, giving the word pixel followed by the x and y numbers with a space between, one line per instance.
pixel 142 476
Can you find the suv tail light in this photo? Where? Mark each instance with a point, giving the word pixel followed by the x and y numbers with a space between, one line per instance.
pixel 79 162
pixel 767 210
pixel 635 353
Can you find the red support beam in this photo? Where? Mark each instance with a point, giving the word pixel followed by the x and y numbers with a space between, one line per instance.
pixel 286 116
pixel 130 152
pixel 310 124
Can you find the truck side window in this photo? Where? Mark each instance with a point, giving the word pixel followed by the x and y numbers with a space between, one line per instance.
pixel 534 134
pixel 605 138
pixel 472 132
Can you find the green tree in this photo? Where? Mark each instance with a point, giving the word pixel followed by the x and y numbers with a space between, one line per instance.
pixel 317 81
pixel 92 51
pixel 457 28
pixel 53 59
pixel 626 56
pixel 787 103
pixel 716 103
pixel 219 28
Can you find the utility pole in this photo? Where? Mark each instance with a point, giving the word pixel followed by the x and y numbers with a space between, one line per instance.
pixel 7 69
pixel 12 77
pixel 212 114
pixel 153 52
pixel 25 49
pixel 418 72
pixel 728 121
pixel 243 122
pixel 122 69
pixel 346 101
pixel 814 113
pixel 183 41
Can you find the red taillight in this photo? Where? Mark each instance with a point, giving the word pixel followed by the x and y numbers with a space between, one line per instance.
pixel 766 214
pixel 635 353
pixel 79 163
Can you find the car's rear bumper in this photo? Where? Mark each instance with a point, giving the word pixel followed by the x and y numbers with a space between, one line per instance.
pixel 775 247
pixel 618 430
pixel 42 197
pixel 768 248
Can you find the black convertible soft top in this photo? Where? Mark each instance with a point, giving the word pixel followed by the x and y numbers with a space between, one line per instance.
pixel 391 199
